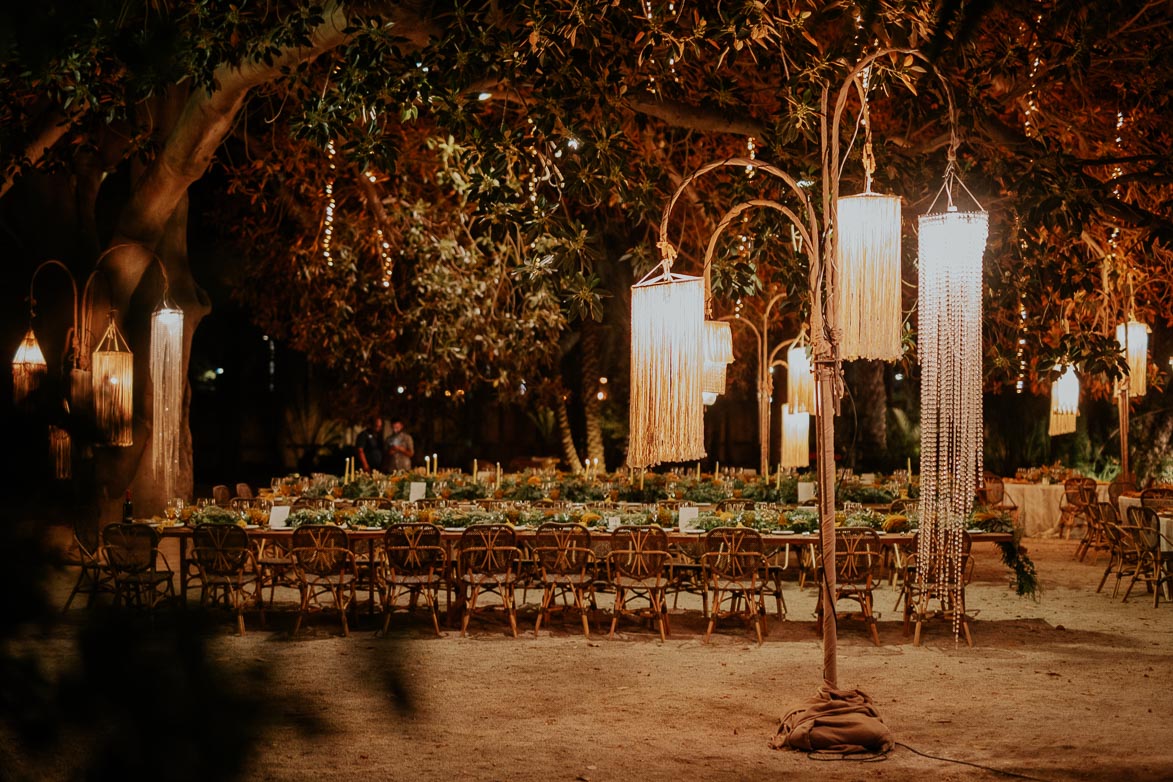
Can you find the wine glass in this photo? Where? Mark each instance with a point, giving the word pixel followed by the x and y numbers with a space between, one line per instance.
pixel 173 509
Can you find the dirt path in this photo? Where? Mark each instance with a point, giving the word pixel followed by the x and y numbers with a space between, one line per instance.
pixel 1076 686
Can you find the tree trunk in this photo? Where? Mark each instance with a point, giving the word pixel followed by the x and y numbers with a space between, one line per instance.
pixel 591 405
pixel 871 405
pixel 569 451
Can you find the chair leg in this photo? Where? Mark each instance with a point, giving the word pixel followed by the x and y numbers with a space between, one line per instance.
pixel 713 614
pixel 580 600
pixel 618 607
pixel 469 606
pixel 508 595
pixel 544 607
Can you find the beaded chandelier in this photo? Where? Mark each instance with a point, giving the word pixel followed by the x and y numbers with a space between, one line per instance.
pixel 167 396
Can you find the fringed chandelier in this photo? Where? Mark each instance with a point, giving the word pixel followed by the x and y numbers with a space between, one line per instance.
pixel 800 379
pixel 167 394
pixel 113 378
pixel 952 243
pixel 61 450
pixel 796 429
pixel 667 367
pixel 28 367
pixel 1064 402
pixel 868 286
pixel 718 355
pixel 1133 337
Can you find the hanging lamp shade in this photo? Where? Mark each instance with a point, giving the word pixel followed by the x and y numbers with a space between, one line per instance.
pixel 718 355
pixel 868 278
pixel 796 429
pixel 113 379
pixel 61 450
pixel 1133 337
pixel 28 367
pixel 800 380
pixel 167 393
pixel 1064 402
pixel 667 369
pixel 81 390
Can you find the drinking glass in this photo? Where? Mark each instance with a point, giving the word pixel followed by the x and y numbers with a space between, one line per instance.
pixel 173 509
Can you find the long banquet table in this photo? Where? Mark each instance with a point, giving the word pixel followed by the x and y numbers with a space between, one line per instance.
pixel 1039 505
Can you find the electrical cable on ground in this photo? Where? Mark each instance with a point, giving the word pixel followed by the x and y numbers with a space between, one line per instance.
pixel 967 763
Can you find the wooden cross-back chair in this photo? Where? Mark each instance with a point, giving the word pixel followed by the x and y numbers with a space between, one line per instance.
pixel 93 577
pixel 323 564
pixel 1078 494
pixel 487 561
pixel 944 578
pixel 565 563
pixel 636 569
pixel 131 551
pixel 735 576
pixel 414 564
pixel 857 558
pixel 993 495
pixel 228 568
pixel 1151 565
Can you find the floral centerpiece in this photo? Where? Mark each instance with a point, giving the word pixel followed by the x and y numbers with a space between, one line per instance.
pixel 214 514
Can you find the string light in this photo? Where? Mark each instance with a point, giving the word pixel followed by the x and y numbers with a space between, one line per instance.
pixel 328 221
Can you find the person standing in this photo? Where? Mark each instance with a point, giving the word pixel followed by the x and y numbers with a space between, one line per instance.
pixel 399 448
pixel 369 445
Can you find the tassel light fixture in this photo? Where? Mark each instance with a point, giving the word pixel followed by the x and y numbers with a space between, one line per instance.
pixel 796 429
pixel 800 379
pixel 113 380
pixel 868 284
pixel 667 369
pixel 718 355
pixel 28 367
pixel 61 449
pixel 1064 402
pixel 167 394
pixel 1133 337
pixel 952 243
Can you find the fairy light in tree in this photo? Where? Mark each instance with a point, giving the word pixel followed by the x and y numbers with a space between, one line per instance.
pixel 328 221
pixel 1020 350
pixel 1030 111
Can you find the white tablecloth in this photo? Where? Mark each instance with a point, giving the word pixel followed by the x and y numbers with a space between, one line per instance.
pixel 1166 521
pixel 1038 505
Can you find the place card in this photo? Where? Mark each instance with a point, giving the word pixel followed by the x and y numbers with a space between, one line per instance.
pixel 612 522
pixel 417 490
pixel 687 518
pixel 867 478
pixel 806 491
pixel 279 517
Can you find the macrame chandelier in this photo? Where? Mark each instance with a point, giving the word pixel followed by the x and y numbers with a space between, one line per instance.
pixel 28 367
pixel 167 394
pixel 667 366
pixel 868 283
pixel 113 379
pixel 800 379
pixel 718 356
pixel 796 429
pixel 1133 337
pixel 1064 402
pixel 61 449
pixel 952 243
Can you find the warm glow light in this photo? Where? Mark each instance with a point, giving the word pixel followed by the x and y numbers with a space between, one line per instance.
pixel 868 282
pixel 800 381
pixel 667 364
pixel 167 394
pixel 718 354
pixel 113 378
pixel 1064 402
pixel 1134 341
pixel 795 438
pixel 28 367
pixel 61 449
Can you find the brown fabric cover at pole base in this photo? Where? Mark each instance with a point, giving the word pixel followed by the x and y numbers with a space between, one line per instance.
pixel 843 721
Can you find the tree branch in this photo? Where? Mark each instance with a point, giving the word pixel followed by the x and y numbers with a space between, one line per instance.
pixel 699 118
pixel 54 125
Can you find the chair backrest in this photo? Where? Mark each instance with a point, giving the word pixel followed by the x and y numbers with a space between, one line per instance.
pixel 487 549
pixel 735 504
pixel 1158 498
pixel 1108 514
pixel 321 549
pixel 857 554
pixel 1088 491
pixel 87 539
pixel 244 490
pixel 639 552
pixel 1143 516
pixel 563 548
pixel 995 491
pixel 1119 485
pixel 221 495
pixel 220 549
pixel 1073 491
pixel 130 548
pixel 944 567
pixel 413 548
pixel 901 506
pixel 313 503
pixel 735 553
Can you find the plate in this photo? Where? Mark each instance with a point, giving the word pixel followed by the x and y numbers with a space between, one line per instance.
pixel 252 526
pixel 454 529
pixel 693 531
pixel 975 530
pixel 366 529
pixel 786 532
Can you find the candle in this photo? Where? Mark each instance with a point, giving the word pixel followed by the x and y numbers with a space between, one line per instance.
pixel 909 469
pixel 474 469
pixel 435 464
pixel 641 480
pixel 698 471
pixel 778 479
pixel 427 465
pixel 498 475
pixel 717 470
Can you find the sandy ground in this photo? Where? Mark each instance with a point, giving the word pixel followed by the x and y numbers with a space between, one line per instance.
pixel 1075 686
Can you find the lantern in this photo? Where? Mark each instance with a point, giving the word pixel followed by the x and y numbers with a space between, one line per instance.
pixel 28 367
pixel 167 392
pixel 795 438
pixel 667 368
pixel 868 279
pixel 800 380
pixel 1064 402
pixel 718 355
pixel 1134 341
pixel 113 379
pixel 61 449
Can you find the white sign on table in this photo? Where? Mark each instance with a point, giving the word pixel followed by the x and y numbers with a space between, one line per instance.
pixel 687 517
pixel 279 517
pixel 806 491
pixel 417 490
